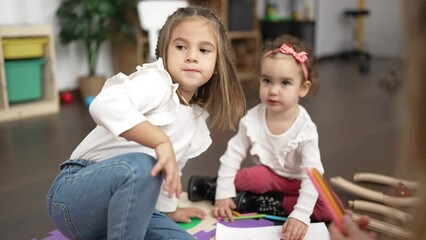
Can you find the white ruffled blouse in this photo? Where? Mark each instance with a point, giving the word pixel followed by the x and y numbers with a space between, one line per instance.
pixel 286 154
pixel 146 95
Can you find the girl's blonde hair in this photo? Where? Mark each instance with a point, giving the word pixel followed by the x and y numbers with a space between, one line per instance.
pixel 222 96
pixel 298 46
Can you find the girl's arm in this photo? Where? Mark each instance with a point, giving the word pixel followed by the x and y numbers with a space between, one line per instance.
pixel 118 110
pixel 121 107
pixel 230 163
pixel 151 136
pixel 308 195
pixel 299 219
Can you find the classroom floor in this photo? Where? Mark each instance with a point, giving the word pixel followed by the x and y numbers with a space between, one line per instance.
pixel 355 116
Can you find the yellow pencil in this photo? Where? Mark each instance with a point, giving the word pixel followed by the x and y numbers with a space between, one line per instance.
pixel 237 214
pixel 245 217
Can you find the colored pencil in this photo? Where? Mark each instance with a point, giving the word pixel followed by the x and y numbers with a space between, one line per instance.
pixel 325 193
pixel 246 217
pixel 276 218
pixel 326 189
pixel 248 214
pixel 236 213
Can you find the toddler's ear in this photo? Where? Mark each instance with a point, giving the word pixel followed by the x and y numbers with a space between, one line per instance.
pixel 304 89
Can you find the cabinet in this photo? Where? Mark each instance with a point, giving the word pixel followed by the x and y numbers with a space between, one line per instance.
pixel 48 102
pixel 238 17
pixel 294 17
pixel 305 30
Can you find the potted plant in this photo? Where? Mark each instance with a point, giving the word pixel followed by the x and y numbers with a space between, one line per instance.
pixel 92 22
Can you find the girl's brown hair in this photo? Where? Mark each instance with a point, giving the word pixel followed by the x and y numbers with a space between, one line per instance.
pixel 222 96
pixel 298 46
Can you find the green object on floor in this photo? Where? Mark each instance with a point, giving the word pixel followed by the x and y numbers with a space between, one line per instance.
pixel 194 222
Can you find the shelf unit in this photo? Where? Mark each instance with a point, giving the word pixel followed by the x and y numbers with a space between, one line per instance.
pixel 49 102
pixel 299 21
pixel 305 30
pixel 245 43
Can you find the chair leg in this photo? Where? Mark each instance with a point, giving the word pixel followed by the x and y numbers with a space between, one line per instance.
pixel 386 228
pixel 373 195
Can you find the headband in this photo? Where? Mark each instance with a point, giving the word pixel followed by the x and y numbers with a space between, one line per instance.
pixel 300 57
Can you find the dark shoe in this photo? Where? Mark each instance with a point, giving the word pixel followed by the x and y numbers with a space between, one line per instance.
pixel 201 188
pixel 267 203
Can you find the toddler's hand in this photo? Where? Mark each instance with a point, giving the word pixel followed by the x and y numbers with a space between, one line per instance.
pixel 294 229
pixel 166 162
pixel 223 208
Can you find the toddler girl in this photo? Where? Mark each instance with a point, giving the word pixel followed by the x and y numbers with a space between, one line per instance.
pixel 281 139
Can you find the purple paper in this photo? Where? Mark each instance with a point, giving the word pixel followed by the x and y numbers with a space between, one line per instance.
pixel 248 223
pixel 54 235
pixel 203 235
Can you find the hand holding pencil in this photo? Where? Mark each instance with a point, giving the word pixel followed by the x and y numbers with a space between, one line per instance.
pixel 354 230
pixel 342 227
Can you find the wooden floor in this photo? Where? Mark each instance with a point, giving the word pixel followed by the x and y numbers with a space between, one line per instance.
pixel 356 120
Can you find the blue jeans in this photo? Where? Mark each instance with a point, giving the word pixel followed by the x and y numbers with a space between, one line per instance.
pixel 111 199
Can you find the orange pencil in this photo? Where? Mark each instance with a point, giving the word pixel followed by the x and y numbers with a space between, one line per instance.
pixel 326 189
pixel 326 194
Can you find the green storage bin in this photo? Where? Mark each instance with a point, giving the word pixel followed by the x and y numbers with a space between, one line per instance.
pixel 24 79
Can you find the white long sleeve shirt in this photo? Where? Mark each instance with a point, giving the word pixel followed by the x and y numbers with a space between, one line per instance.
pixel 286 154
pixel 146 95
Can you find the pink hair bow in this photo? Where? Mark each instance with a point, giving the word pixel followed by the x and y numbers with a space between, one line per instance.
pixel 300 57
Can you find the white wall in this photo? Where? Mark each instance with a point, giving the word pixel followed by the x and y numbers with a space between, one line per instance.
pixel 383 30
pixel 383 33
pixel 333 33
pixel 71 59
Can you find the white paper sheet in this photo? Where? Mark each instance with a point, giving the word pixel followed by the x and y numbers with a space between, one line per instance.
pixel 316 231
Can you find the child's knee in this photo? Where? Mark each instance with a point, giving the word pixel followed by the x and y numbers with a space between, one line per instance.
pixel 252 179
pixel 252 172
pixel 246 176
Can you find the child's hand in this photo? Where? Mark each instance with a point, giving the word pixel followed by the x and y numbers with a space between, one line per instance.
pixel 185 214
pixel 294 229
pixel 354 230
pixel 166 162
pixel 223 208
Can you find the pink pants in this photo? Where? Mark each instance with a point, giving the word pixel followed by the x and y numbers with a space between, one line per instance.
pixel 261 179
